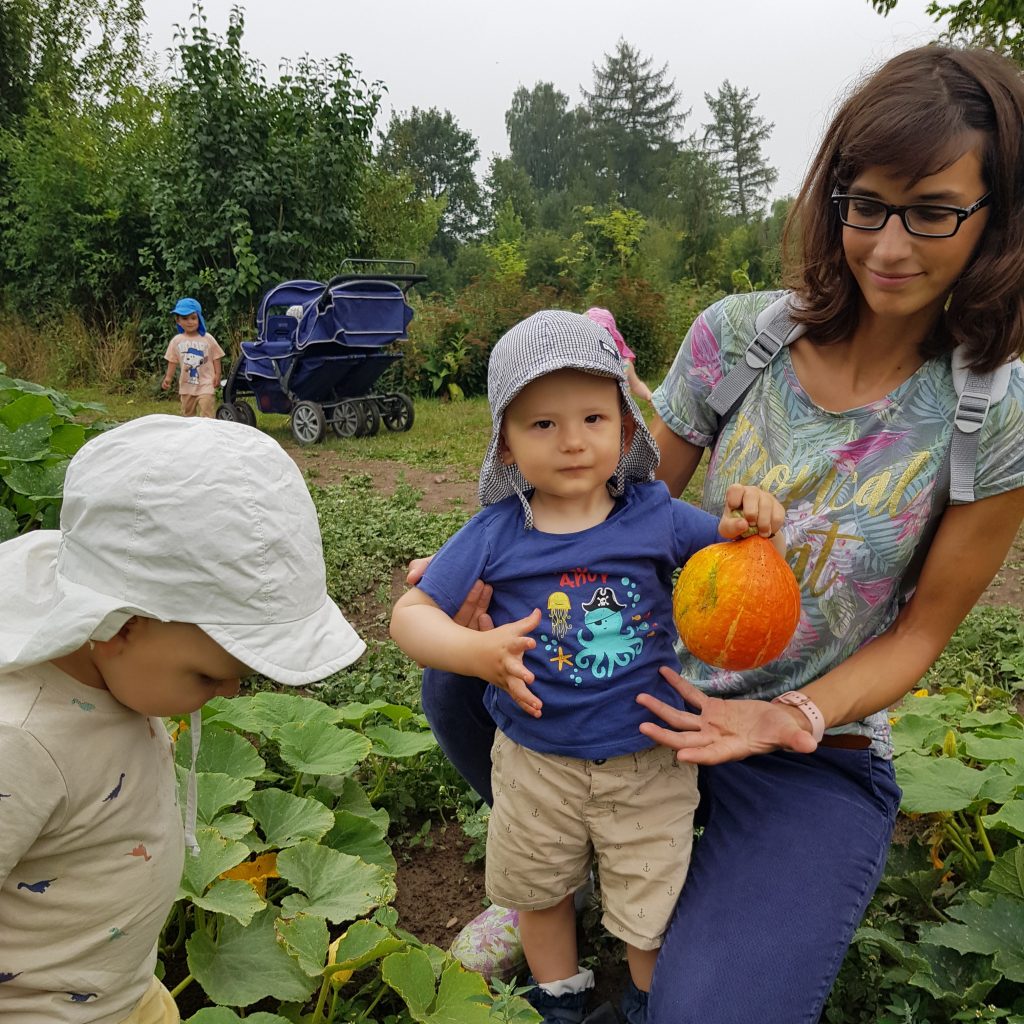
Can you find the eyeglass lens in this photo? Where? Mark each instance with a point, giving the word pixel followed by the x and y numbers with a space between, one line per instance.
pixel 922 220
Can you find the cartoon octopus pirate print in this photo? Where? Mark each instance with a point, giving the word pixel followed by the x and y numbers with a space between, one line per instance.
pixel 611 635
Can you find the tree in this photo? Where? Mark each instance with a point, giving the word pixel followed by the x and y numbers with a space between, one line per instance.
pixel 997 24
pixel 508 185
pixel 544 135
pixel 635 119
pixel 695 198
pixel 255 183
pixel 438 156
pixel 734 136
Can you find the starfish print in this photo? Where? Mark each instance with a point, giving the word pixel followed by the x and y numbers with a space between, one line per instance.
pixel 562 659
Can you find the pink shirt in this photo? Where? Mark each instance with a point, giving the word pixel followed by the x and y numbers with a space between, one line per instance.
pixel 196 353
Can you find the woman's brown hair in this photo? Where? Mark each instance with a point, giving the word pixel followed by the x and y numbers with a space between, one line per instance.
pixel 917 115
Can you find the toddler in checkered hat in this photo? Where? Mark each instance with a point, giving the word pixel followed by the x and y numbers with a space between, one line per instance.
pixel 579 545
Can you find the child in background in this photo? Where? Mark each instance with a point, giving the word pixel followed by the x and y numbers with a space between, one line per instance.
pixel 188 556
pixel 628 356
pixel 198 355
pixel 574 528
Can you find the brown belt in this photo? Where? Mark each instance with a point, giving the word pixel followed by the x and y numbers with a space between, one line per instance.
pixel 845 741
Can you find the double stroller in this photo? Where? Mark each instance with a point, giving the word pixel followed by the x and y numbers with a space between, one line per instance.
pixel 320 349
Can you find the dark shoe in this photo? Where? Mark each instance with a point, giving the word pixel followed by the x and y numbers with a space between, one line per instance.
pixel 604 1014
pixel 634 1004
pixel 566 1009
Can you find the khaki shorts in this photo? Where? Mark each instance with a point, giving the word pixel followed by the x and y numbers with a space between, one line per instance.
pixel 553 815
pixel 206 404
pixel 156 1007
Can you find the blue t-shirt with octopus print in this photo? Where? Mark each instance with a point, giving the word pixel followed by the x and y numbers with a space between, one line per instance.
pixel 606 604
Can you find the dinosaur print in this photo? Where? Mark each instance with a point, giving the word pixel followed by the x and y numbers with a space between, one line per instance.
pixel 41 886
pixel 140 851
pixel 116 791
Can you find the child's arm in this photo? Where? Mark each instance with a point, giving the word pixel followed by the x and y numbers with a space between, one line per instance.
pixel 757 510
pixel 431 637
pixel 216 371
pixel 636 385
pixel 172 366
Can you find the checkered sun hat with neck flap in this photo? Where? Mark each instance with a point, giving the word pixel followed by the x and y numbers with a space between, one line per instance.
pixel 548 341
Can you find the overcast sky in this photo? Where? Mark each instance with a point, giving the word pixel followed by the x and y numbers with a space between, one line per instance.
pixel 469 56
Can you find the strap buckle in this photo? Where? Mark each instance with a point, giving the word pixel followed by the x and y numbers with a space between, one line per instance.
pixel 763 349
pixel 971 410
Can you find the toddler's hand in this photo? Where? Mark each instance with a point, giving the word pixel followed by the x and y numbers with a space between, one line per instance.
pixel 165 384
pixel 758 510
pixel 501 661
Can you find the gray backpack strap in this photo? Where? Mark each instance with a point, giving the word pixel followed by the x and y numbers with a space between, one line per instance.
pixel 976 393
pixel 774 330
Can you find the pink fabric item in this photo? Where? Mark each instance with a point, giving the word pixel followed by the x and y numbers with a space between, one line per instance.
pixel 607 321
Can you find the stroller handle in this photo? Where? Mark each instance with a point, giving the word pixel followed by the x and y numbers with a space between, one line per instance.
pixel 405 279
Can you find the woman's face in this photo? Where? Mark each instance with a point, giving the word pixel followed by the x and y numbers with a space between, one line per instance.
pixel 905 276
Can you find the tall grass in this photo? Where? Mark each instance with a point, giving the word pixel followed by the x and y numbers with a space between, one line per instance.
pixel 65 350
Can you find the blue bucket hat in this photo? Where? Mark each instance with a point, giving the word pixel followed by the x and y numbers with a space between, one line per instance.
pixel 186 306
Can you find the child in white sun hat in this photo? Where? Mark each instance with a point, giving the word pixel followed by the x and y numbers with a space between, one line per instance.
pixel 188 556
pixel 579 544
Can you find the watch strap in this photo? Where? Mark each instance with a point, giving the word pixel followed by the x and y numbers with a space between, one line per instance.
pixel 807 707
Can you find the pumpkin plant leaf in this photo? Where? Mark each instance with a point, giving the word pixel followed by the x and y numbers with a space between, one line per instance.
pixel 225 1015
pixel 412 977
pixel 390 742
pixel 216 855
pixel 936 783
pixel 285 819
pixel 215 791
pixel 1009 817
pixel 266 712
pixel 333 885
pixel 361 837
pixel 246 964
pixel 362 943
pixel 305 937
pixel 321 748
pixel 225 752
pixel 993 929
pixel 233 898
pixel 456 998
pixel 1007 874
pixel 28 442
pixel 233 826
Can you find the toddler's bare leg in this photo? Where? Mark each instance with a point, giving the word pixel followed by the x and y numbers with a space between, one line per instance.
pixel 641 966
pixel 549 942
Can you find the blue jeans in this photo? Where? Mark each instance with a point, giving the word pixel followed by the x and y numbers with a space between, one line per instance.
pixel 792 850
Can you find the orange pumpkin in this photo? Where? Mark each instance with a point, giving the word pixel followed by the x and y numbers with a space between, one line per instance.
pixel 736 604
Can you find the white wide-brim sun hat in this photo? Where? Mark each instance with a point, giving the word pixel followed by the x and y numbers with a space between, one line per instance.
pixel 182 520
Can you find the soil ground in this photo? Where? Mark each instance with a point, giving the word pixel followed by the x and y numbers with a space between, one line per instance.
pixel 438 892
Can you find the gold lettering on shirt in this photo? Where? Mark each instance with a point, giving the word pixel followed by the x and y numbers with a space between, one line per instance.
pixel 746 460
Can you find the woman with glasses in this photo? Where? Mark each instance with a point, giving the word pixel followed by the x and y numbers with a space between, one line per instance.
pixel 905 241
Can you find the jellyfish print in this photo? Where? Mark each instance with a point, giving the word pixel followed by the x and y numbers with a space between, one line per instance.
pixel 558 610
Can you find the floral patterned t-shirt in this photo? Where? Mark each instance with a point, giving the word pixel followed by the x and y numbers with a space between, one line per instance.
pixel 857 487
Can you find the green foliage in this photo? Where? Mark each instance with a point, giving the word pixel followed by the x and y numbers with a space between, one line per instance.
pixel 996 24
pixel 940 942
pixel 38 436
pixel 254 182
pixel 735 136
pixel 291 846
pixel 396 222
pixel 438 156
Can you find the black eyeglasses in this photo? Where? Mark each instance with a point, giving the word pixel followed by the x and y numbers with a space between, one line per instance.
pixel 928 220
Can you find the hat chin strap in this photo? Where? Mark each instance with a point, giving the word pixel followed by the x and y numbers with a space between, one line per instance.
pixel 195 731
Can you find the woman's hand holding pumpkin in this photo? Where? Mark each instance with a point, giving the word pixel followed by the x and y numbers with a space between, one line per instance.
pixel 722 730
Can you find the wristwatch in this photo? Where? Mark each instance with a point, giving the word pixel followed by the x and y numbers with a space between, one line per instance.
pixel 808 708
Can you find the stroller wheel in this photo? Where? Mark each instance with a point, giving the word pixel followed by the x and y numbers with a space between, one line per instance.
pixel 308 422
pixel 371 416
pixel 348 419
pixel 396 410
pixel 227 412
pixel 244 413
